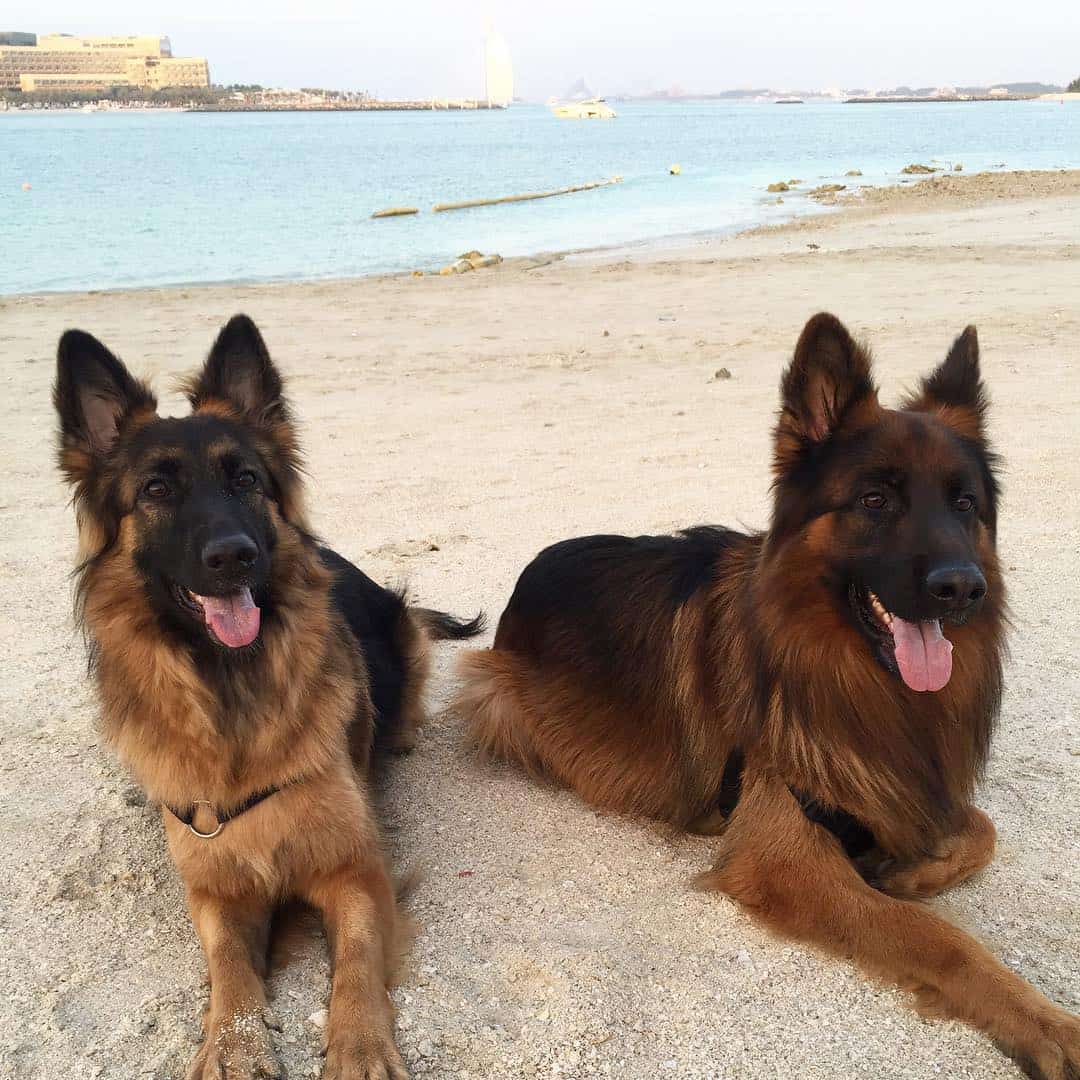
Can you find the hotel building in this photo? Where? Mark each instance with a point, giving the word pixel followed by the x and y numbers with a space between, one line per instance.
pixel 64 62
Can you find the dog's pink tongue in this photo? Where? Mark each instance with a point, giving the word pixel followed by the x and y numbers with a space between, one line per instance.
pixel 234 619
pixel 923 654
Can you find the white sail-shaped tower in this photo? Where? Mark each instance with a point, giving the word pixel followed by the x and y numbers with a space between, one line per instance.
pixel 498 71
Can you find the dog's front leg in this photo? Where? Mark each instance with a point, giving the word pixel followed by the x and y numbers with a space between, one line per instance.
pixel 357 903
pixel 794 876
pixel 237 1043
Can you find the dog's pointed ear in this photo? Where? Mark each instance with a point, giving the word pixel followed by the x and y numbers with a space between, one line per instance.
pixel 240 378
pixel 827 382
pixel 955 389
pixel 94 396
pixel 240 373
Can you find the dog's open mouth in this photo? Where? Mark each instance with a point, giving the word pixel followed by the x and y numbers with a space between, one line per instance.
pixel 232 620
pixel 917 651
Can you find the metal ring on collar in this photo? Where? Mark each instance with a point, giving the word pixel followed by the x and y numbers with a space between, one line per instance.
pixel 191 826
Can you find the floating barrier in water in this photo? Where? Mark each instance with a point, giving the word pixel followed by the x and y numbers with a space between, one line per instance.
pixel 439 208
pixel 396 211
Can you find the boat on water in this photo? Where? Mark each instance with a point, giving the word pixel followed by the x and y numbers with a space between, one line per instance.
pixel 789 101
pixel 589 109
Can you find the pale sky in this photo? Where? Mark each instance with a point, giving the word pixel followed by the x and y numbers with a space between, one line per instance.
pixel 424 48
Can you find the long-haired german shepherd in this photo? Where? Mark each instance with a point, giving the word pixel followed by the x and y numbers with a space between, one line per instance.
pixel 247 674
pixel 821 696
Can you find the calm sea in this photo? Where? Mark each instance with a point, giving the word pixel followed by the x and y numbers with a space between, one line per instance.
pixel 165 198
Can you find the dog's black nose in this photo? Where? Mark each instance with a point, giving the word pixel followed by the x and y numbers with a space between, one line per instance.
pixel 958 586
pixel 224 553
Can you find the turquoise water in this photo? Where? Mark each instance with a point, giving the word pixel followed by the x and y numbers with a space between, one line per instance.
pixel 131 199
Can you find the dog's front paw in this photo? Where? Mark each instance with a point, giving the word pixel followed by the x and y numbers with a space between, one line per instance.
pixel 1052 1049
pixel 371 1058
pixel 911 881
pixel 237 1047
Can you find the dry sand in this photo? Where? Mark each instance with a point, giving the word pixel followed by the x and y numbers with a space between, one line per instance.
pixel 453 427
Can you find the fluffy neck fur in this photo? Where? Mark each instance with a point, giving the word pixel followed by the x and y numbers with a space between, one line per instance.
pixel 220 726
pixel 835 724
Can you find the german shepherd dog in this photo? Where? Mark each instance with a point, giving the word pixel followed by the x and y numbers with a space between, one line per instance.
pixel 821 696
pixel 247 676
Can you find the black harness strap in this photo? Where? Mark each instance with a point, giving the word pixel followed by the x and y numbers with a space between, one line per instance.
pixel 187 815
pixel 731 782
pixel 855 838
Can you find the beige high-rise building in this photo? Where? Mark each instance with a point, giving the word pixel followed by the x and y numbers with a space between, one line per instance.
pixel 64 62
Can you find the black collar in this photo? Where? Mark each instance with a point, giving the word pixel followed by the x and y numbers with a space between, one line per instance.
pixel 187 815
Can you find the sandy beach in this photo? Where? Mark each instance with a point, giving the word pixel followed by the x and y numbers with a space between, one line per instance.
pixel 454 426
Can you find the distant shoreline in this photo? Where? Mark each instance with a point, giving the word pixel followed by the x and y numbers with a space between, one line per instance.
pixel 146 106
pixel 470 105
pixel 372 106
pixel 942 100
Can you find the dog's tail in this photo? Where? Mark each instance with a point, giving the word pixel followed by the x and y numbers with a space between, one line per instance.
pixel 443 627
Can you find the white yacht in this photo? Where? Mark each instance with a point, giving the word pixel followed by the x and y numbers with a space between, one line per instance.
pixel 589 109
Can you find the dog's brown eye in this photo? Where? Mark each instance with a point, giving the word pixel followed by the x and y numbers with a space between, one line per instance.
pixel 245 480
pixel 874 500
pixel 964 504
pixel 156 489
